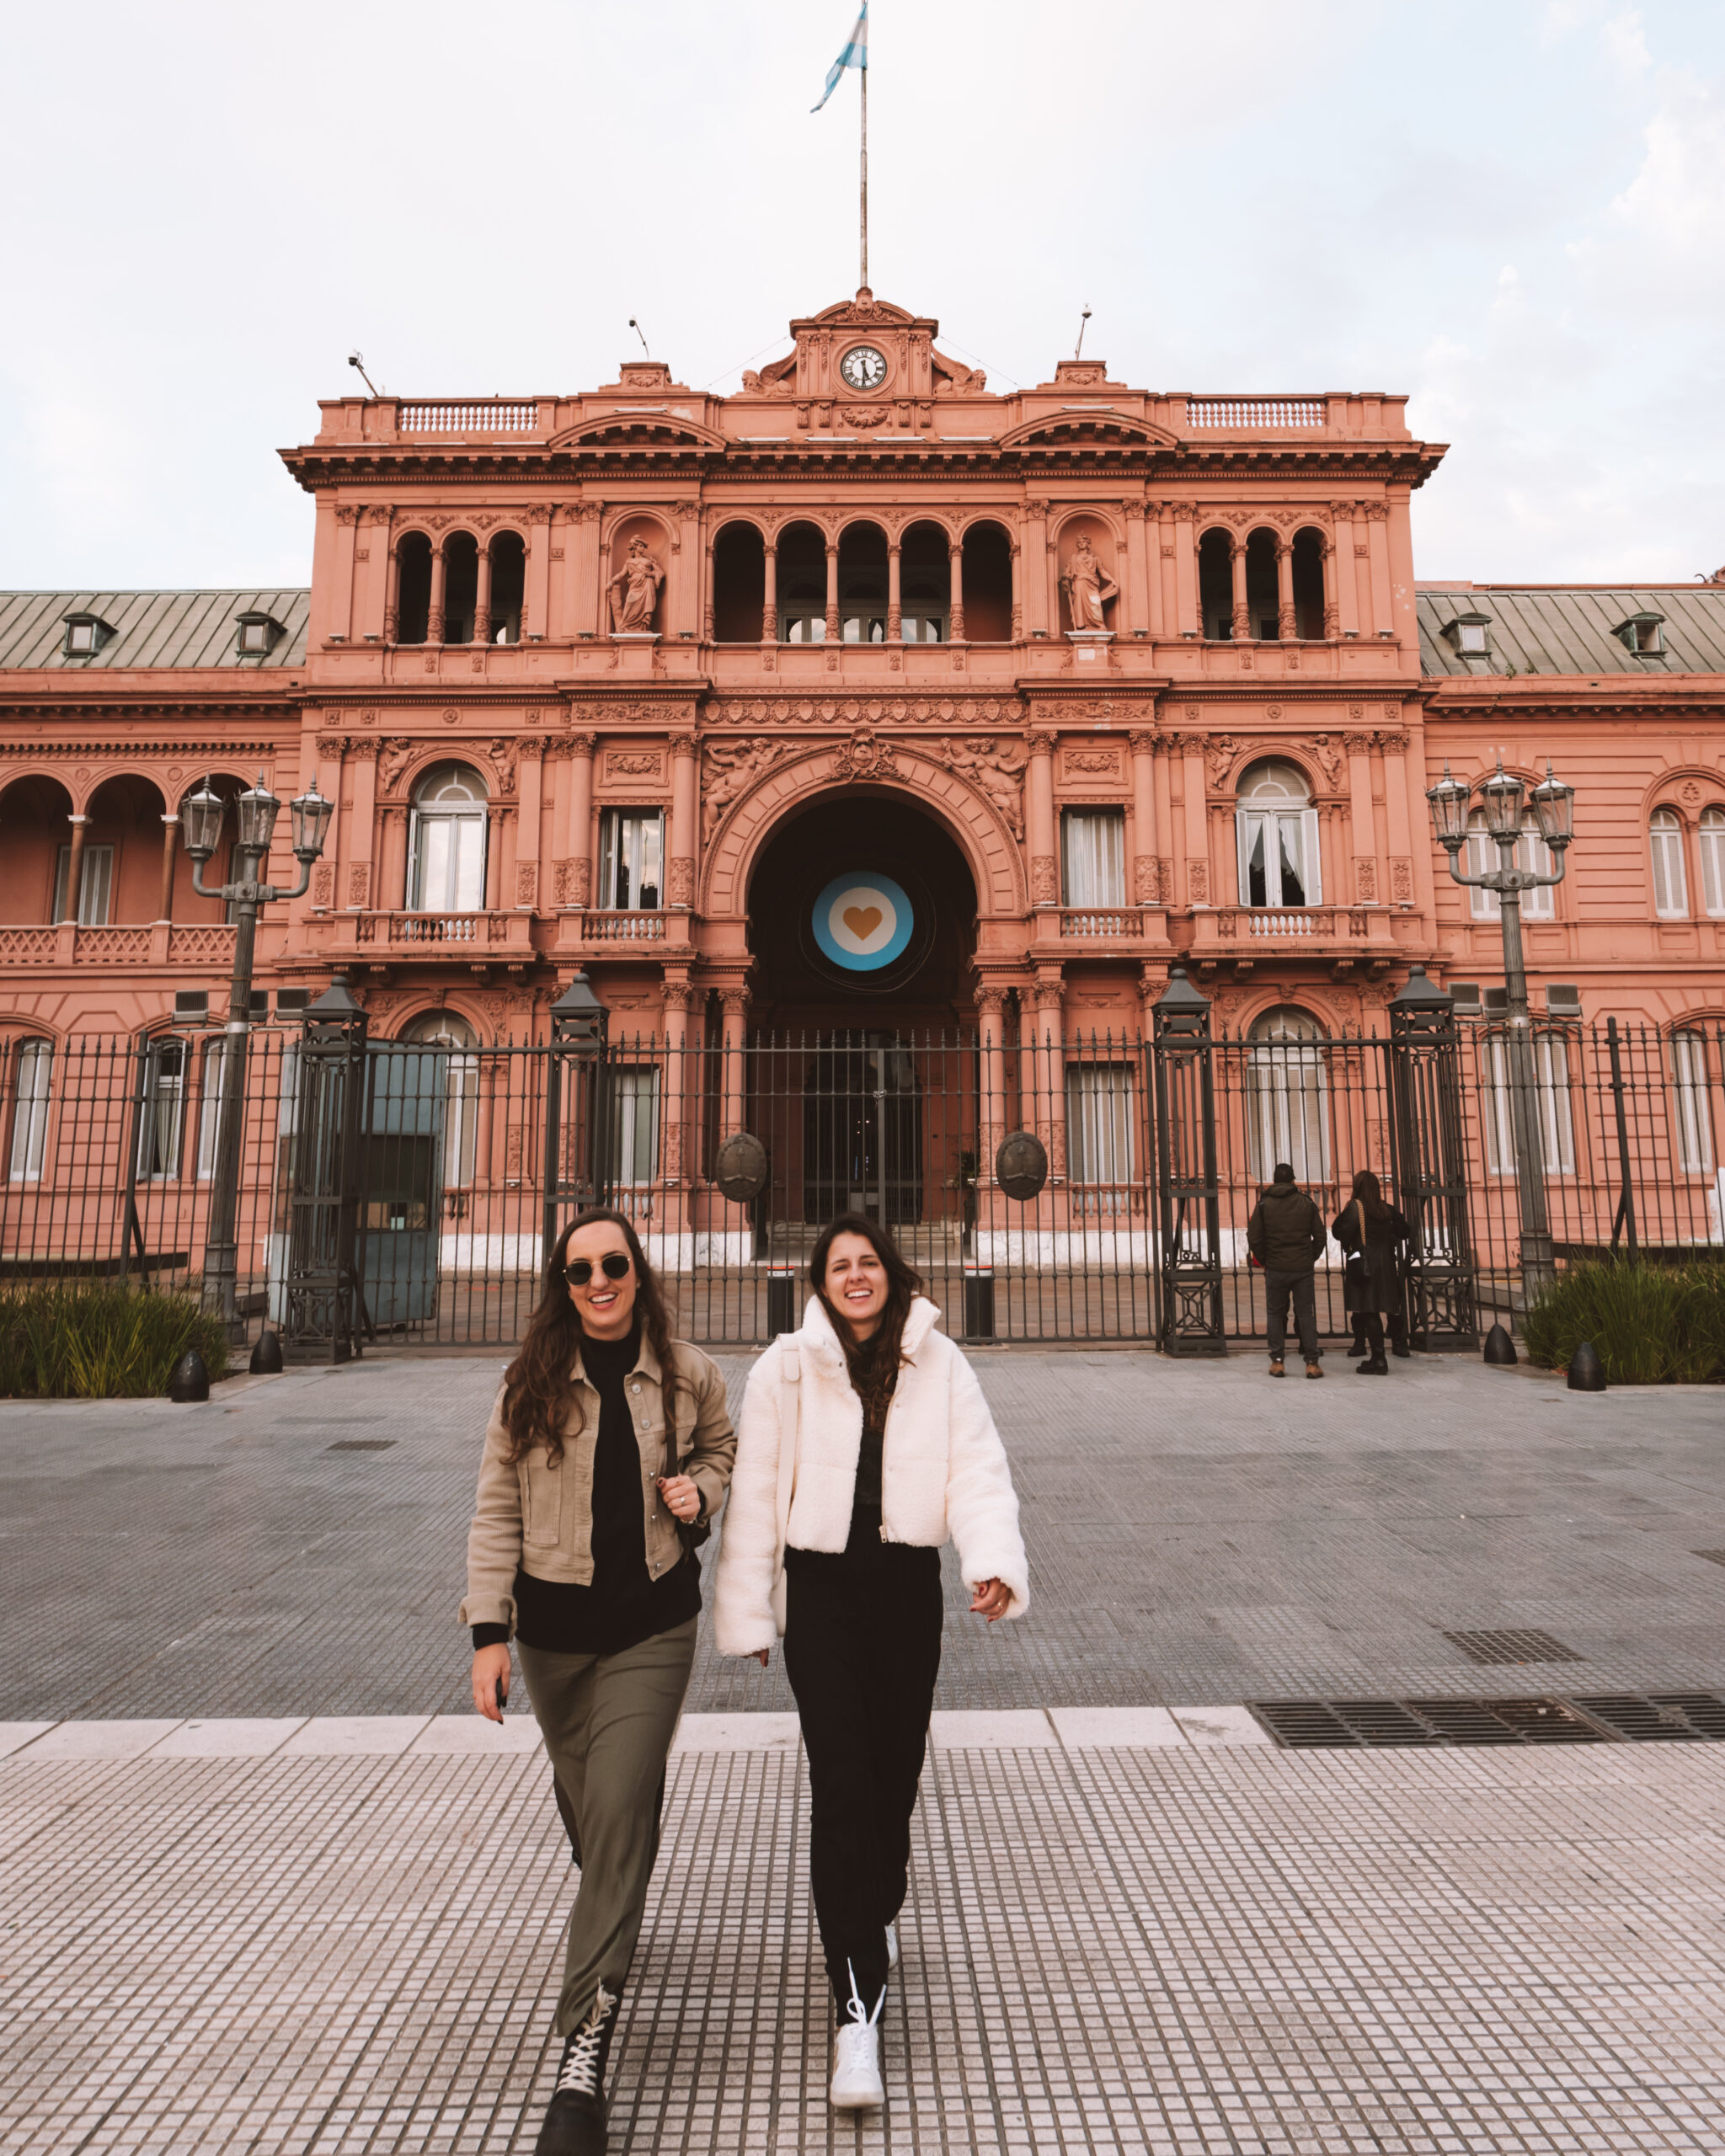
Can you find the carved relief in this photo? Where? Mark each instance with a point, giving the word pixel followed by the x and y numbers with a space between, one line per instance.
pixel 633 763
pixel 729 769
pixel 392 760
pixel 1220 750
pixel 1365 879
pixel 1045 889
pixel 1146 879
pixel 864 755
pixel 359 883
pixel 575 881
pixel 503 759
pixel 682 881
pixel 1091 763
pixel 526 882
pixel 324 884
pixel 864 415
pixel 1329 757
pixel 1197 883
pixel 1402 882
pixel 995 774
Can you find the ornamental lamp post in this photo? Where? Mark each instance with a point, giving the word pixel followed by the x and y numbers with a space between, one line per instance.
pixel 203 814
pixel 1503 798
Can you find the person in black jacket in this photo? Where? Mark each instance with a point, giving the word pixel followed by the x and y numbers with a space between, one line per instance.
pixel 1372 1234
pixel 1285 1235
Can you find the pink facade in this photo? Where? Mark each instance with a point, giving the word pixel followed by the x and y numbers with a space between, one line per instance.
pixel 1106 678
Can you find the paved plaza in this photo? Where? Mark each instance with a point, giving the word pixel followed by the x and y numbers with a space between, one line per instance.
pixel 264 1886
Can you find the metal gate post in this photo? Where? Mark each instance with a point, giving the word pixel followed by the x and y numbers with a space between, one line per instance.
pixel 1626 1200
pixel 573 1084
pixel 1189 1318
pixel 1429 1165
pixel 325 1306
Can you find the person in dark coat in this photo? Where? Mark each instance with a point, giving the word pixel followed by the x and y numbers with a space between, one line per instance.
pixel 1372 1234
pixel 1285 1235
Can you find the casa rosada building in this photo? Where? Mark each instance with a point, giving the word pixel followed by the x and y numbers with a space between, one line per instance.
pixel 864 696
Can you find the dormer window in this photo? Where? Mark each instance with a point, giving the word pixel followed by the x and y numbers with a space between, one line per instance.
pixel 85 635
pixel 258 634
pixel 1470 636
pixel 1644 635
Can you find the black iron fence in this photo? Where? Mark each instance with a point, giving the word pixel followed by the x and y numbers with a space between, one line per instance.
pixel 408 1193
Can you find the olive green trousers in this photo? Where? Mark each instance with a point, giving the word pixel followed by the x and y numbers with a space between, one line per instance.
pixel 607 1721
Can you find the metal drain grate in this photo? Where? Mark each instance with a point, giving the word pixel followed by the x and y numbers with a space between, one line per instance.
pixel 1628 1717
pixel 361 1444
pixel 1492 1649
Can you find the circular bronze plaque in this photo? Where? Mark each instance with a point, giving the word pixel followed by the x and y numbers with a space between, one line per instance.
pixel 1021 1165
pixel 742 1168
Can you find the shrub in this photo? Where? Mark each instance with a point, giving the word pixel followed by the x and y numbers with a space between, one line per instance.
pixel 1650 1324
pixel 100 1340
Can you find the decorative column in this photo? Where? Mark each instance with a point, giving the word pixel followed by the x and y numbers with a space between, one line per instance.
pixel 735 1002
pixel 990 1005
pixel 1393 741
pixel 1039 820
pixel 1196 820
pixel 1017 593
pixel 1146 878
pixel 1243 612
pixel 434 625
pixel 482 602
pixel 832 591
pixel 682 838
pixel 1186 609
pixel 536 587
pixel 686 549
pixel 1351 563
pixel 326 777
pixel 574 867
pixel 769 610
pixel 677 1089
pixel 392 875
pixel 494 856
pixel 581 581
pixel 170 835
pixel 1051 1105
pixel 1363 822
pixel 1035 584
pixel 955 588
pixel 392 598
pixel 709 620
pixel 1377 534
pixel 341 607
pixel 361 823
pixel 1137 612
pixel 894 607
pixel 529 752
pixel 1332 609
pixel 372 557
pixel 1287 620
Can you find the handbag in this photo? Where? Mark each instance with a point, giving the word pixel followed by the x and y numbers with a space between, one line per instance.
pixel 690 1533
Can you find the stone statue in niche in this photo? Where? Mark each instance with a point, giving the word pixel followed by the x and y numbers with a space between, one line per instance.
pixel 632 605
pixel 1088 586
pixel 996 776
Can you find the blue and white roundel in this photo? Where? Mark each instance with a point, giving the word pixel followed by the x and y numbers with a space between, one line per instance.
pixel 862 922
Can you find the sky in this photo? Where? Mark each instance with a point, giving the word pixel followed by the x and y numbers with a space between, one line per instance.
pixel 1514 212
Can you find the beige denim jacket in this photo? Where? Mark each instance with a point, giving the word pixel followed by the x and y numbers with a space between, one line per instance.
pixel 537 1515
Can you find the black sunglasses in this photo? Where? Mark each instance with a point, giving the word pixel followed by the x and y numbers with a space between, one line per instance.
pixel 614 1265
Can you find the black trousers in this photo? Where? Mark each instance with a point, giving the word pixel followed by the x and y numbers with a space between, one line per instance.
pixel 861 1651
pixel 1277 1288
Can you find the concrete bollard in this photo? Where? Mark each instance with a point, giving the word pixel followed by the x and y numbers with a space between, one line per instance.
pixel 266 1356
pixel 190 1380
pixel 1499 1347
pixel 1587 1372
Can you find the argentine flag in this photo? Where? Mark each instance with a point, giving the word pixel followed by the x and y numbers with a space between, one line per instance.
pixel 855 55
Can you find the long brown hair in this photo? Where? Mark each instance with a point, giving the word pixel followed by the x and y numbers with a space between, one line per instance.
pixel 874 1363
pixel 539 1384
pixel 1370 1192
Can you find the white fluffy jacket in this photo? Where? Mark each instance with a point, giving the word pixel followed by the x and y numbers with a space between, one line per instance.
pixel 943 1471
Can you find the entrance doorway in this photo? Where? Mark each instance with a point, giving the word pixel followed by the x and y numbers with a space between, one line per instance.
pixel 863 1132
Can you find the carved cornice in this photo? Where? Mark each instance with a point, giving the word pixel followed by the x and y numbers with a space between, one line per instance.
pixel 142 755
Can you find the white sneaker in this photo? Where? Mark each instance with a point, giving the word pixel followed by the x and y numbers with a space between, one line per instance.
pixel 856 2057
pixel 892 1946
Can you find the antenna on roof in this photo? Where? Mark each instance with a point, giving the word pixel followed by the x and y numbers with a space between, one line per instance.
pixel 358 360
pixel 638 331
pixel 1078 349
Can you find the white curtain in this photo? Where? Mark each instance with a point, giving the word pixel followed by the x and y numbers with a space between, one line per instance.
pixel 1692 1111
pixel 1099 1123
pixel 1094 842
pixel 30 1110
pixel 1670 883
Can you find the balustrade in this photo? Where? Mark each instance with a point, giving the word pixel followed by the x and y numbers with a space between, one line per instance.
pixel 1255 414
pixel 484 416
pixel 1093 921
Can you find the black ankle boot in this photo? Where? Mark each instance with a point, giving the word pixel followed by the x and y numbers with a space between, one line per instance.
pixel 575 2122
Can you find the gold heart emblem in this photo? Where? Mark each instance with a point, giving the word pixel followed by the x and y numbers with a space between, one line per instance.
pixel 862 921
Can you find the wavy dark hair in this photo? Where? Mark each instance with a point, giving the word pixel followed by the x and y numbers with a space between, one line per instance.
pixel 873 1365
pixel 539 1384
pixel 1371 1194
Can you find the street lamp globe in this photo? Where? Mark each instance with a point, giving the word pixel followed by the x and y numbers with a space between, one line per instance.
pixel 1554 805
pixel 258 809
pixel 1505 797
pixel 311 813
pixel 1450 799
pixel 202 815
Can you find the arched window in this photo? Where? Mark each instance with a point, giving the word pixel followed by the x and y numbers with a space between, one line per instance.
pixel 1276 830
pixel 413 569
pixel 1691 1110
pixel 1670 883
pixel 1711 837
pixel 1532 854
pixel 33 1073
pixel 1215 585
pixel 444 1030
pixel 509 585
pixel 1287 1096
pixel 448 842
pixel 162 1109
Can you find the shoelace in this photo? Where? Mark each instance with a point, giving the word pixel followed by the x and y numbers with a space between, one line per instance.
pixel 578 2074
pixel 860 2018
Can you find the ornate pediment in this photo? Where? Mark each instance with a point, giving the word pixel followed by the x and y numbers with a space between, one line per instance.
pixel 640 432
pixel 1088 426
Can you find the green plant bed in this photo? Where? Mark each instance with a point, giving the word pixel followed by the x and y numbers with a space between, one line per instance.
pixel 1650 1324
pixel 100 1340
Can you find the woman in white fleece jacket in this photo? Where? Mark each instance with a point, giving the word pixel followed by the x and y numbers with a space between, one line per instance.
pixel 892 1449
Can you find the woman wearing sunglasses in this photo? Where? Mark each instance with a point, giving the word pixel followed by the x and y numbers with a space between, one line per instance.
pixel 866 1442
pixel 608 1451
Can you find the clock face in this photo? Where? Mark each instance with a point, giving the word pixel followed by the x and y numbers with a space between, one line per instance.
pixel 862 367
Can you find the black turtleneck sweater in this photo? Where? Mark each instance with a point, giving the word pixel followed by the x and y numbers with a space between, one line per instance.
pixel 625 1604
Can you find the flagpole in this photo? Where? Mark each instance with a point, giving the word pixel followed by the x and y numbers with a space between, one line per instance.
pixel 863 72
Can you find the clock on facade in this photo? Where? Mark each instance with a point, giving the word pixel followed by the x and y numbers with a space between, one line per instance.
pixel 862 367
